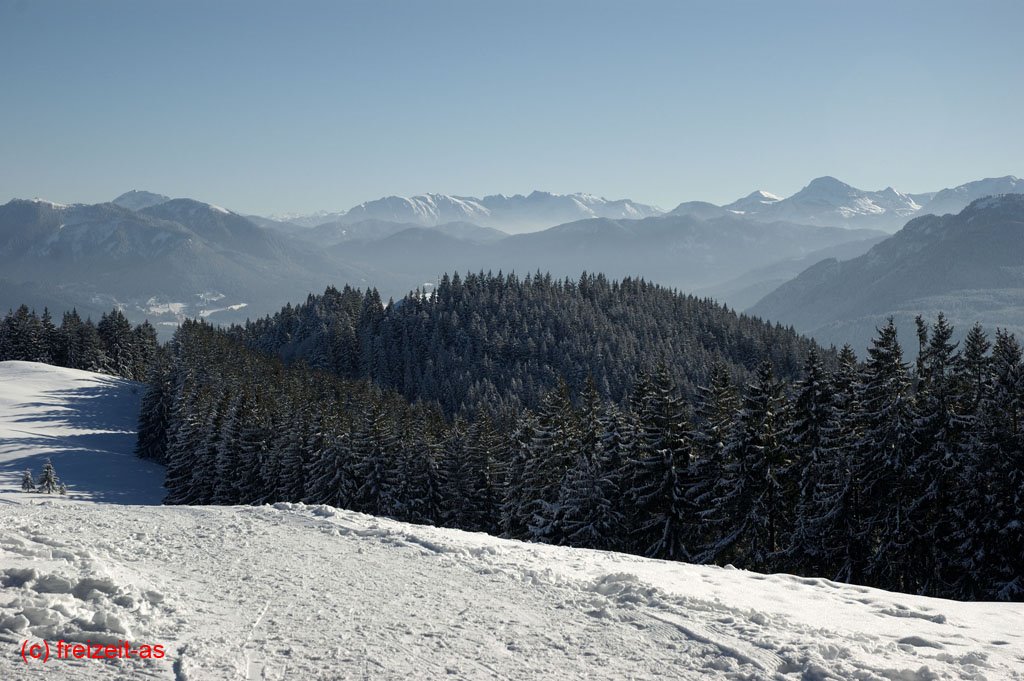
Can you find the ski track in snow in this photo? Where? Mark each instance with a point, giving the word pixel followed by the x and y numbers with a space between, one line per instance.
pixel 312 592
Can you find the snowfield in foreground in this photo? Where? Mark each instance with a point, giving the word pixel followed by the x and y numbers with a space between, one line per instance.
pixel 312 592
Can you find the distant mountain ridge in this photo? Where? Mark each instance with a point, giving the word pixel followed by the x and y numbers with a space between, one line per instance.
pixel 826 201
pixel 181 257
pixel 512 214
pixel 174 258
pixel 967 265
pixel 165 258
pixel 956 199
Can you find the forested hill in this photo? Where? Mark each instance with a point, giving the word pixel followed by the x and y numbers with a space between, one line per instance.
pixel 502 340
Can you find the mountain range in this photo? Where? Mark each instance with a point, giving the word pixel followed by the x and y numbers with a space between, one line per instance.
pixel 164 259
pixel 178 257
pixel 513 214
pixel 825 201
pixel 969 266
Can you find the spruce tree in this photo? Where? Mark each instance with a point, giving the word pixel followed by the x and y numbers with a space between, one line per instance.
pixel 811 456
pixel 714 427
pixel 48 480
pixel 550 452
pixel 516 503
pixel 660 476
pixel 974 535
pixel 836 517
pixel 1004 452
pixel 589 506
pixel 374 447
pixel 937 466
pixel 885 462
pixel 750 511
pixel 118 342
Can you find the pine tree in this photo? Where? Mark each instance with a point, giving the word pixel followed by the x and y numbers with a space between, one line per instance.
pixel 663 516
pixel 184 444
pixel 836 518
pixel 750 510
pixel 28 484
pixel 374 446
pixel 118 342
pixel 551 451
pixel 227 488
pixel 49 338
pixel 146 349
pixel 89 348
pixel 937 466
pixel 330 474
pixel 516 503
pixel 1003 446
pixel 154 415
pixel 425 481
pixel 715 423
pixel 589 506
pixel 23 337
pixel 974 535
pixel 68 352
pixel 295 453
pixel 812 454
pixel 885 462
pixel 48 480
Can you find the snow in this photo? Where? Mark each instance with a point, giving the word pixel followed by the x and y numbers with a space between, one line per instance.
pixel 51 204
pixel 230 308
pixel 84 423
pixel 312 592
pixel 153 306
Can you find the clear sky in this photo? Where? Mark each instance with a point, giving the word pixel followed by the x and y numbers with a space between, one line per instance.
pixel 270 107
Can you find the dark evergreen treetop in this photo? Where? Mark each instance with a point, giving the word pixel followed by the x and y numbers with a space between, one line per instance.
pixel 501 340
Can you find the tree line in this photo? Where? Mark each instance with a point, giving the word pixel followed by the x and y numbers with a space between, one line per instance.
pixel 112 346
pixel 494 342
pixel 904 476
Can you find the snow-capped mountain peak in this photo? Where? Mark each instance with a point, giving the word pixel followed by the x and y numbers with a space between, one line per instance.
pixel 829 201
pixel 510 213
pixel 753 201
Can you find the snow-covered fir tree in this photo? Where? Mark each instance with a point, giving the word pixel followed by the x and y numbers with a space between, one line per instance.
pixel 28 483
pixel 751 512
pixel 886 460
pixel 48 483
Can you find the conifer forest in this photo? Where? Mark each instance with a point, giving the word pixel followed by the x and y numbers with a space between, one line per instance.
pixel 606 415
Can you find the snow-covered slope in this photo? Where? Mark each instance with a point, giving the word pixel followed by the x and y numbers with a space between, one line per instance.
pixel 84 423
pixel 956 199
pixel 293 592
pixel 312 592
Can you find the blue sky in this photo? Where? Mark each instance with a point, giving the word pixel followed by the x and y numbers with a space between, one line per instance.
pixel 298 106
